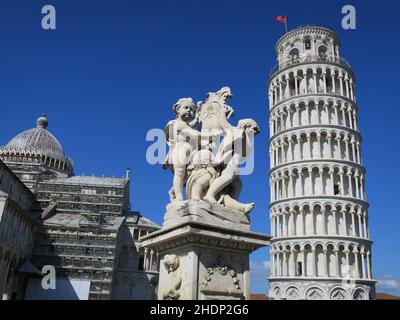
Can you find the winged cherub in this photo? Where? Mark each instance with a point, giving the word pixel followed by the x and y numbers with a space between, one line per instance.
pixel 183 139
pixel 235 148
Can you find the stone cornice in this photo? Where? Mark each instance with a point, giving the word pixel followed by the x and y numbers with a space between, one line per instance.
pixel 313 97
pixel 314 64
pixel 309 280
pixel 190 233
pixel 313 127
pixel 320 238
pixel 316 163
pixel 23 211
pixel 310 199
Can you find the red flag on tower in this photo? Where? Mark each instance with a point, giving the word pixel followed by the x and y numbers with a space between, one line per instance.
pixel 281 19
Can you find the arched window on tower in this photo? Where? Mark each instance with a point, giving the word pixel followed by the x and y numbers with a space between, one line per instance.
pixel 294 55
pixel 322 52
pixel 336 189
pixel 307 43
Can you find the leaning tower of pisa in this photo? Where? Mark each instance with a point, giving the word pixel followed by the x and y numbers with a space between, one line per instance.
pixel 321 247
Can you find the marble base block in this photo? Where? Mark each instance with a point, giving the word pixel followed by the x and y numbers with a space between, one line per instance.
pixel 201 260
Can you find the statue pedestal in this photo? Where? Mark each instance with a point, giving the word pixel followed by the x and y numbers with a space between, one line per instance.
pixel 202 256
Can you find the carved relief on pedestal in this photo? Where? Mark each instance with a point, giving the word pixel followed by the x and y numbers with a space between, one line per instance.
pixel 221 279
pixel 173 278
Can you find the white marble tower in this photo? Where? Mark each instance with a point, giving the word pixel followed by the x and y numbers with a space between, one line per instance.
pixel 321 247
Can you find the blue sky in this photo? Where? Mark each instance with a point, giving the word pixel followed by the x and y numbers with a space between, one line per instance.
pixel 112 70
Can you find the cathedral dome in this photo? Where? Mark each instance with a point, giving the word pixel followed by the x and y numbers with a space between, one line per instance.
pixel 39 143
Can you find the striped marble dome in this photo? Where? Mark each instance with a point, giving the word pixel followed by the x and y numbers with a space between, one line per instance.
pixel 36 141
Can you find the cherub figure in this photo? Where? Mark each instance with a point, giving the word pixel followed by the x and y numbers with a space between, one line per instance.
pixel 235 147
pixel 183 139
pixel 171 264
pixel 201 174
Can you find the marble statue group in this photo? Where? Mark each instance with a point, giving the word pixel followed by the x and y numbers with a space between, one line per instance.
pixel 205 242
pixel 206 151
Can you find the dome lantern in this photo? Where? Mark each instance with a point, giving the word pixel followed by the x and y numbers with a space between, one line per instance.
pixel 42 121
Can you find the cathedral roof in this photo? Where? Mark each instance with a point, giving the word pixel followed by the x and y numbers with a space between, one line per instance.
pixel 148 223
pixel 136 218
pixel 76 221
pixel 92 181
pixel 36 141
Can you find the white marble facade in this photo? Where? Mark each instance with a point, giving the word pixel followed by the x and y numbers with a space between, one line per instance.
pixel 17 231
pixel 137 267
pixel 321 247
